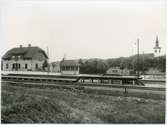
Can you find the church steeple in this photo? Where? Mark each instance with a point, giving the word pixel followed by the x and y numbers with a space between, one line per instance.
pixel 157 49
pixel 157 41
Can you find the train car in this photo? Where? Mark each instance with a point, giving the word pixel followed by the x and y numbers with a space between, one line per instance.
pixel 48 76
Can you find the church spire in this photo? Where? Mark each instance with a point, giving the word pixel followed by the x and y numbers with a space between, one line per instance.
pixel 157 41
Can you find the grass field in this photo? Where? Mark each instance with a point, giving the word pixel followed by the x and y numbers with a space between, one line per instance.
pixel 61 105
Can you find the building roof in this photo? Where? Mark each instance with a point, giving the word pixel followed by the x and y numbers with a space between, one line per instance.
pixel 110 70
pixel 157 47
pixel 69 63
pixel 26 52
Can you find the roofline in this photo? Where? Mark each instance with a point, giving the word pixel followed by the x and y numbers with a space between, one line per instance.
pixel 8 58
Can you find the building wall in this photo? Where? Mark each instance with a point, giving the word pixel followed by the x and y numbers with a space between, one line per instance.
pixel 31 65
pixel 118 71
pixel 157 52
pixel 114 71
pixel 70 72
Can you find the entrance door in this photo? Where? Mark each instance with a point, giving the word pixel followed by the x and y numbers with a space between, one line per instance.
pixel 15 66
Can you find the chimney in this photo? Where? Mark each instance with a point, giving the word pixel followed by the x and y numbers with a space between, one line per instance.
pixel 21 46
pixel 29 45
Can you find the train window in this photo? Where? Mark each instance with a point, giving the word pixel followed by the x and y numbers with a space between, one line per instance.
pixel 26 66
pixel 67 68
pixel 13 65
pixel 36 66
pixel 19 66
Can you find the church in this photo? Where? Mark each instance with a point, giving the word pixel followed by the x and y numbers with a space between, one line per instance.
pixel 157 48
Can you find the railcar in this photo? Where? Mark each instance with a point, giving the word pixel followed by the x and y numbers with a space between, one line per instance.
pixel 53 77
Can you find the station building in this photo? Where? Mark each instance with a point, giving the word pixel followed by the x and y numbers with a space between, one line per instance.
pixel 69 67
pixel 24 59
pixel 117 71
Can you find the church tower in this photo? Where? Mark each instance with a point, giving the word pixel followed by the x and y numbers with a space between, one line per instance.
pixel 157 49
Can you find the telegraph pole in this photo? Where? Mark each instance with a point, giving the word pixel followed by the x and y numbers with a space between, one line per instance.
pixel 47 52
pixel 64 58
pixel 138 58
pixel 143 63
pixel 48 58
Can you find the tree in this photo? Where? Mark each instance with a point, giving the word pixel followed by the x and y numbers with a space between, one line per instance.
pixel 45 65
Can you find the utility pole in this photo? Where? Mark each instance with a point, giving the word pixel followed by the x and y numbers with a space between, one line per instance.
pixel 64 58
pixel 143 63
pixel 48 58
pixel 138 58
pixel 48 52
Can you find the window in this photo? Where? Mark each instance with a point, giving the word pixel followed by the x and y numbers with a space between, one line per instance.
pixel 13 57
pixel 67 68
pixel 155 51
pixel 36 66
pixel 13 65
pixel 19 66
pixel 26 66
pixel 40 57
pixel 114 71
pixel 7 66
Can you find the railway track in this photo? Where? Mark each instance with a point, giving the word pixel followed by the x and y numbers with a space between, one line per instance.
pixel 110 90
pixel 73 83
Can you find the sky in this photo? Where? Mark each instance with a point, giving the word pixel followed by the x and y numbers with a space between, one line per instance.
pixel 84 29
